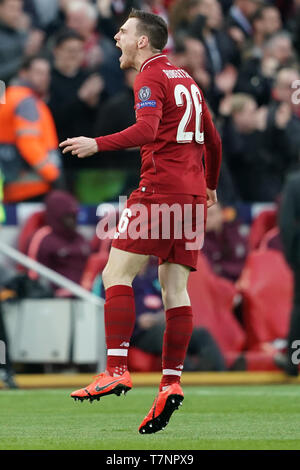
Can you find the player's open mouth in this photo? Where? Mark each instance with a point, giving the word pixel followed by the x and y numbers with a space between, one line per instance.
pixel 119 47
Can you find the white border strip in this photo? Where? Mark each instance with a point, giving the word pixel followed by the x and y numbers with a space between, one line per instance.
pixel 117 352
pixel 171 372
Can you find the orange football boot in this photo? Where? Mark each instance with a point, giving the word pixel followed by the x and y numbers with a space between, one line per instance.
pixel 104 384
pixel 163 407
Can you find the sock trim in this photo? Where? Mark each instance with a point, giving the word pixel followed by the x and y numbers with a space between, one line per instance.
pixel 171 372
pixel 117 352
pixel 179 311
pixel 117 291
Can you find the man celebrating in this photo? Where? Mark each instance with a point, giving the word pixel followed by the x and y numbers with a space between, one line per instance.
pixel 173 123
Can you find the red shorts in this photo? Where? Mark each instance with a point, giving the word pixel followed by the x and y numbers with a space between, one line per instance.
pixel 169 226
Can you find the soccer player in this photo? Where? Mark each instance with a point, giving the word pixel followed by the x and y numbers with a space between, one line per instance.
pixel 173 125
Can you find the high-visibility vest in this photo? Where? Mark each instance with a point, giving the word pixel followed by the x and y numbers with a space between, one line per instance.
pixel 28 145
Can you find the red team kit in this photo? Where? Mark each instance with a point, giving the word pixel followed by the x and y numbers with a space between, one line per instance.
pixel 170 110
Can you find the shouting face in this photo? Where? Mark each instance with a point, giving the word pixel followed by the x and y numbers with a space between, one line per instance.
pixel 128 41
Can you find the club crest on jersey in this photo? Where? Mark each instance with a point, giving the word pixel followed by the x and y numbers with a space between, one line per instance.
pixel 144 93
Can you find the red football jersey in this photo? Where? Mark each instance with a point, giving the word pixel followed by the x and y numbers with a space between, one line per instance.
pixel 172 161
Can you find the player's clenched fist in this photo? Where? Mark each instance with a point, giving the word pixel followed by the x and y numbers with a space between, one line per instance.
pixel 211 197
pixel 80 146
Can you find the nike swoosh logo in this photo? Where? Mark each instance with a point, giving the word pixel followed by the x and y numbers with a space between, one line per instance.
pixel 100 389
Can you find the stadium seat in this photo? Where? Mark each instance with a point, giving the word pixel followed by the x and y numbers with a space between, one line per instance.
pixel 271 240
pixel 97 260
pixel 260 360
pixel 212 300
pixel 266 285
pixel 94 265
pixel 140 361
pixel 264 222
pixel 32 224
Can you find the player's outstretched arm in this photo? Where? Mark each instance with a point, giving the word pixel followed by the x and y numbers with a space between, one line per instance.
pixel 141 133
pixel 80 146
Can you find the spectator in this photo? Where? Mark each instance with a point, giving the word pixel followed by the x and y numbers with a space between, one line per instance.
pixel 100 53
pixel 283 126
pixel 74 92
pixel 289 222
pixel 59 245
pixel 182 14
pixel 190 54
pixel 208 27
pixel 271 20
pixel 28 141
pixel 192 57
pixel 12 38
pixel 158 7
pixel 280 48
pixel 293 26
pixel 6 370
pixel 225 244
pixel 203 352
pixel 266 22
pixel 116 114
pixel 257 74
pixel 239 19
pixel 113 13
pixel 52 15
pixel 256 165
pixel 7 374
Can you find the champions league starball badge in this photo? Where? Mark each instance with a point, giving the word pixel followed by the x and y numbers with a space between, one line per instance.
pixel 144 93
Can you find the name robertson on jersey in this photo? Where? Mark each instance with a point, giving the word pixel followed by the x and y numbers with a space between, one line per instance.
pixel 176 73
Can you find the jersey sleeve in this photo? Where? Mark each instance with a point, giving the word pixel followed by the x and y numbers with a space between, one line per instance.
pixel 149 94
pixel 148 97
pixel 142 132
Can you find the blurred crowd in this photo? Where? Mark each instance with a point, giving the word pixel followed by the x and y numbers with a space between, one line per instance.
pixel 60 65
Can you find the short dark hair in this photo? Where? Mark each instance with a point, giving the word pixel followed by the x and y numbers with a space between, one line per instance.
pixel 65 35
pixel 153 26
pixel 28 61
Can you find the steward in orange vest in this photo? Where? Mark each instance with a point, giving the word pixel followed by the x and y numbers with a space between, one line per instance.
pixel 29 156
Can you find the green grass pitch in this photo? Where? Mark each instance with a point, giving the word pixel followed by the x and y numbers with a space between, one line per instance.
pixel 215 417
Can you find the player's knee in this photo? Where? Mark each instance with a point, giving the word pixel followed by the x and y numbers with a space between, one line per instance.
pixel 175 297
pixel 107 277
pixel 112 276
pixel 172 288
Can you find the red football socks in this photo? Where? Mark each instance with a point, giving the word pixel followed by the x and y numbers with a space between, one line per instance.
pixel 119 316
pixel 179 327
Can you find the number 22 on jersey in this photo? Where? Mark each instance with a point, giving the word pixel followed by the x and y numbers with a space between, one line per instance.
pixel 192 99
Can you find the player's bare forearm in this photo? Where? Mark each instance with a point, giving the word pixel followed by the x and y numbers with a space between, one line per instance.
pixel 82 147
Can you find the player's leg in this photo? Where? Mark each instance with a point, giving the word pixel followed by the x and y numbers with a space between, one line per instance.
pixel 122 267
pixel 173 279
pixel 179 320
pixel 119 308
pixel 179 326
pixel 119 315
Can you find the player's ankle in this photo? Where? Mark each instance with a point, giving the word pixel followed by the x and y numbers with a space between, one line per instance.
pixel 117 371
pixel 167 382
